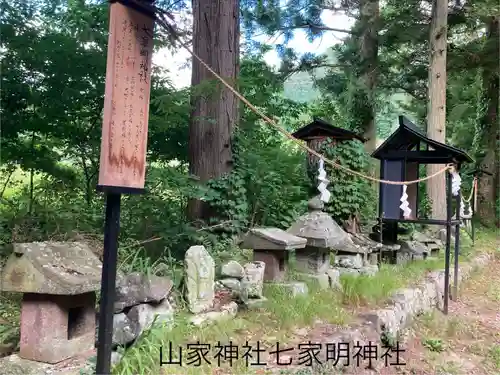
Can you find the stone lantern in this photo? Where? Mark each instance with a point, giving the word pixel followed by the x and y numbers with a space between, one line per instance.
pixel 323 234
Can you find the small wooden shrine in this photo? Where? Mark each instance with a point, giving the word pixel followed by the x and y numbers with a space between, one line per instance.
pixel 318 131
pixel 400 158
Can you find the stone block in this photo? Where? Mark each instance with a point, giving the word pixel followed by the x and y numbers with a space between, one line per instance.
pixel 253 281
pixel 320 280
pixel 276 264
pixel 55 327
pixel 373 259
pixel 370 270
pixel 144 315
pixel 233 269
pixel 125 330
pixel 334 278
pixel 137 288
pixel 227 312
pixel 403 257
pixel 347 271
pixel 255 303
pixel 349 261
pixel 312 260
pixel 295 288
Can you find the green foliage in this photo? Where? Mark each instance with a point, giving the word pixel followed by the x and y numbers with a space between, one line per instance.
pixel 351 195
pixel 266 188
pixel 434 345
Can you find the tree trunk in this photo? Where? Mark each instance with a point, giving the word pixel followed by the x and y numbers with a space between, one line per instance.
pixel 488 185
pixel 436 110
pixel 368 49
pixel 215 41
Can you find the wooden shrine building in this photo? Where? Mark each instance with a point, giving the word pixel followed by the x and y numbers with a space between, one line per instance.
pixel 400 158
pixel 319 130
pixel 315 134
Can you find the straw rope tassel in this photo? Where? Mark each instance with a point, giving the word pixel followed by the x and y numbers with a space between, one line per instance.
pixel 405 206
pixel 456 181
pixel 323 182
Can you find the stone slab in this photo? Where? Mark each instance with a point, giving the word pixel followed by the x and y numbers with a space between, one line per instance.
pixel 136 288
pixel 62 268
pixel 272 239
pixel 227 312
pixel 255 303
pixel 321 280
pixel 295 288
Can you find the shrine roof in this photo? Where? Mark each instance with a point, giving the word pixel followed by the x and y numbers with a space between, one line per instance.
pixel 399 146
pixel 321 128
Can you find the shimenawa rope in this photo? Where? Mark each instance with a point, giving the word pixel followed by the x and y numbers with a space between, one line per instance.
pixel 159 13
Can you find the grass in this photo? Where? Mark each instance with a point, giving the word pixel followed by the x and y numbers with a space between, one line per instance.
pixel 276 322
pixel 279 320
pixel 364 290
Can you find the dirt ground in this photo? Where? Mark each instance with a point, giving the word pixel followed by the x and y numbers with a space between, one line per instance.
pixel 467 341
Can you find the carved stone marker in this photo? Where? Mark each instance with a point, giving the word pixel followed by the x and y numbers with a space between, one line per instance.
pixel 272 246
pixel 59 280
pixel 199 269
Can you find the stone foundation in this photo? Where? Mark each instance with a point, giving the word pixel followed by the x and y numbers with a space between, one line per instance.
pixel 55 328
pixel 276 262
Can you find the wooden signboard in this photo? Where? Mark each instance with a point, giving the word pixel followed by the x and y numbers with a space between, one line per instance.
pixel 126 103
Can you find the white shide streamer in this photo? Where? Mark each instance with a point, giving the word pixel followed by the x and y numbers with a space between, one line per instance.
pixel 456 181
pixel 465 214
pixel 405 206
pixel 323 182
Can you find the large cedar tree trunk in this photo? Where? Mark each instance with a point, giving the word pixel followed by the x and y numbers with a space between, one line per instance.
pixel 436 110
pixel 488 186
pixel 368 49
pixel 216 41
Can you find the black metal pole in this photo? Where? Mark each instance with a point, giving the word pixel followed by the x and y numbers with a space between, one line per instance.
pixel 457 244
pixel 473 209
pixel 108 281
pixel 448 240
pixel 381 208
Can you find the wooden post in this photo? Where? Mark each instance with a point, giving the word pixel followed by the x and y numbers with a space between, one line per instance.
pixel 122 167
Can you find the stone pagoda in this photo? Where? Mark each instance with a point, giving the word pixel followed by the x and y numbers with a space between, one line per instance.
pixel 323 235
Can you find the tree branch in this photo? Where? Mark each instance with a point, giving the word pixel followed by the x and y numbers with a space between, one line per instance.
pixel 303 68
pixel 313 27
